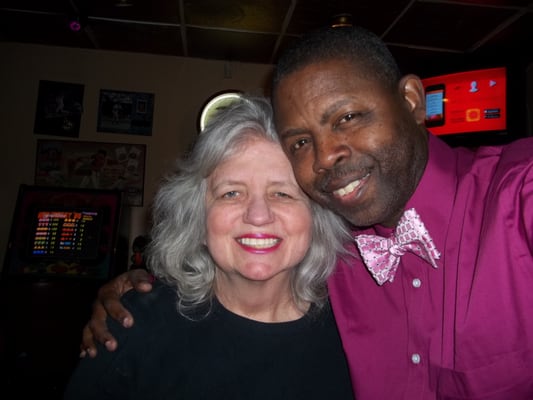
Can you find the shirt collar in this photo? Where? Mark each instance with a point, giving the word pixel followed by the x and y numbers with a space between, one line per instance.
pixel 435 193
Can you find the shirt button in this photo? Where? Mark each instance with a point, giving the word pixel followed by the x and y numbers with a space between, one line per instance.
pixel 417 283
pixel 415 358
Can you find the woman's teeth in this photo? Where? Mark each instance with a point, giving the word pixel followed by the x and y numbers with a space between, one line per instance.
pixel 258 243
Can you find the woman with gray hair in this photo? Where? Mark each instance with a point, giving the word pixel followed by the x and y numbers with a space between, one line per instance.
pixel 240 307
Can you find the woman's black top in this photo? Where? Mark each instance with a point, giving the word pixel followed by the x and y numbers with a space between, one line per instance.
pixel 222 356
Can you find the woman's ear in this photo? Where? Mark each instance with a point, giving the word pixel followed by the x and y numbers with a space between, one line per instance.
pixel 412 89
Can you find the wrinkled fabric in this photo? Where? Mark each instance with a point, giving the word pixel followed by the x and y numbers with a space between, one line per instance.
pixel 463 330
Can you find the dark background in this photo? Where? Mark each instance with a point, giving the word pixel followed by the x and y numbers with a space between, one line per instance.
pixel 425 36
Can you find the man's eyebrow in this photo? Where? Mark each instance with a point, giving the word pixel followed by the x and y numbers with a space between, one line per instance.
pixel 331 109
pixel 287 133
pixel 324 118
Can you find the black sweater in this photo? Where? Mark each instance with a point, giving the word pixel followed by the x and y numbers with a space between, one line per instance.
pixel 223 356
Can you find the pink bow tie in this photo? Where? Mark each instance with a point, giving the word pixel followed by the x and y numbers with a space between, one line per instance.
pixel 382 255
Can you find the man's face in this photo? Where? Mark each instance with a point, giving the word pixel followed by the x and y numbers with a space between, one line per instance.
pixel 355 147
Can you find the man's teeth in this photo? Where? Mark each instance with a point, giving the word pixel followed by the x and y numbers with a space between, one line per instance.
pixel 348 188
pixel 258 243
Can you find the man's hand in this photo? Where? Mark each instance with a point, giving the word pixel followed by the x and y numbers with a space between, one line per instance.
pixel 108 303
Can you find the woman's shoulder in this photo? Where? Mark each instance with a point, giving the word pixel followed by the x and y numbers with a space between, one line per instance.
pixel 160 291
pixel 159 303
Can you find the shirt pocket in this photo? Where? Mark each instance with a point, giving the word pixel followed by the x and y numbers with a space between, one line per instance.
pixel 510 376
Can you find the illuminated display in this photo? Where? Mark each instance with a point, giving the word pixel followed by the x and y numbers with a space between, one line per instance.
pixel 66 233
pixel 467 102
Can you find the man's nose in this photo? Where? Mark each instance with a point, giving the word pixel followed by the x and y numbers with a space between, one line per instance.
pixel 328 153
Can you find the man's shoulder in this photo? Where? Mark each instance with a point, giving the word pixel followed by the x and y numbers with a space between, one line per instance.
pixel 514 160
pixel 495 163
pixel 519 150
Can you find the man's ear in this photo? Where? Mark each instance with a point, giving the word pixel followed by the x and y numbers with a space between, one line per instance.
pixel 412 89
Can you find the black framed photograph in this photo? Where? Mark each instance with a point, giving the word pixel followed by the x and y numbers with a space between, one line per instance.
pixel 59 108
pixel 125 112
pixel 93 165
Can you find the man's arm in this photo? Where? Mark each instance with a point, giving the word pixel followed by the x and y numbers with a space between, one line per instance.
pixel 108 303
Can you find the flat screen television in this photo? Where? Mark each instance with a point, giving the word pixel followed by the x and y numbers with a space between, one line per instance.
pixel 472 106
pixel 64 233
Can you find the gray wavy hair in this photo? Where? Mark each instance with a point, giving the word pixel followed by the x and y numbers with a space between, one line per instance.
pixel 178 254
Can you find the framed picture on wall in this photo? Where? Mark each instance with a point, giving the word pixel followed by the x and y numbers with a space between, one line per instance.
pixel 59 108
pixel 95 165
pixel 125 112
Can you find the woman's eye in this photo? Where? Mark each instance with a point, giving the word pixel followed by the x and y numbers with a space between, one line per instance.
pixel 230 195
pixel 282 194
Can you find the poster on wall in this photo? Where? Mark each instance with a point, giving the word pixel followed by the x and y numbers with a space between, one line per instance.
pixel 125 112
pixel 59 108
pixel 95 165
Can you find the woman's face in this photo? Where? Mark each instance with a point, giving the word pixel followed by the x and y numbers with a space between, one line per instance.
pixel 259 222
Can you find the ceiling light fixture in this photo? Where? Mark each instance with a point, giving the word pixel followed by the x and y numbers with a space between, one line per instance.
pixel 75 24
pixel 340 20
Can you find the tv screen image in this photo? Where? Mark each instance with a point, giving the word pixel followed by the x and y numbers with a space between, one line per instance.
pixel 467 102
pixel 67 233
pixel 63 233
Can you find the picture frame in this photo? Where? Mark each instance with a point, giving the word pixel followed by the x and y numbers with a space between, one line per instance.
pixel 125 112
pixel 96 165
pixel 59 108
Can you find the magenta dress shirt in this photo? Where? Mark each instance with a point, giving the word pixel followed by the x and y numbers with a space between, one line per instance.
pixel 465 329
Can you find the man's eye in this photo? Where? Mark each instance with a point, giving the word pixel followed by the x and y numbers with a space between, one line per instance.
pixel 282 194
pixel 346 118
pixel 299 144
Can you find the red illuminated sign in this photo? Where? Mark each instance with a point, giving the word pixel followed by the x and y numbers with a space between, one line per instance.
pixel 465 102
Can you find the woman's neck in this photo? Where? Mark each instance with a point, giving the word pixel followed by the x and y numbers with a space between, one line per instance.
pixel 260 301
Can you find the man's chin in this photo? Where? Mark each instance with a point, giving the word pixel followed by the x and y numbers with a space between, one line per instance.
pixel 352 213
pixel 358 216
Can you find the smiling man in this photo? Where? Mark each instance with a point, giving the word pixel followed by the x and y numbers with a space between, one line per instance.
pixel 448 314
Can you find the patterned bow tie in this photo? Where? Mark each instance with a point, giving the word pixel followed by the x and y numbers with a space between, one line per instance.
pixel 382 255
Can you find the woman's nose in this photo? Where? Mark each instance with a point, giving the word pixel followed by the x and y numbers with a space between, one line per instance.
pixel 258 211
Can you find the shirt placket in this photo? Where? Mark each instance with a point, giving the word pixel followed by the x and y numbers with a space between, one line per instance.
pixel 419 324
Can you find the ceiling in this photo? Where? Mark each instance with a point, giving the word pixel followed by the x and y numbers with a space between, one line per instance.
pixel 417 32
